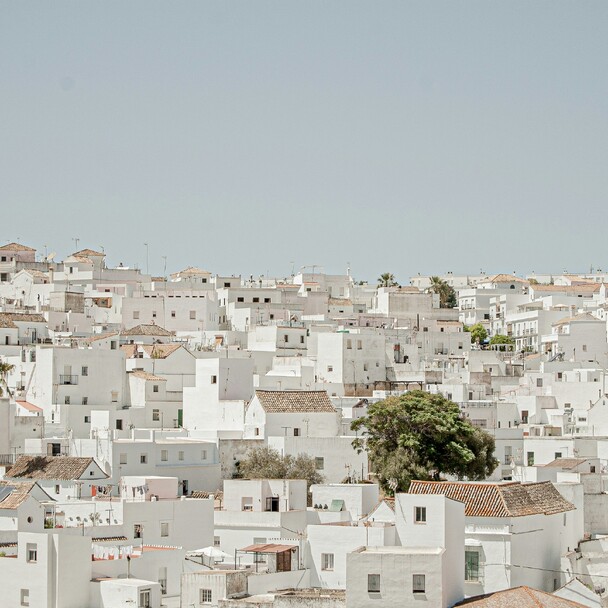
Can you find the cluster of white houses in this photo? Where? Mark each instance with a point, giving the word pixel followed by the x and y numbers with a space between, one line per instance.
pixel 129 400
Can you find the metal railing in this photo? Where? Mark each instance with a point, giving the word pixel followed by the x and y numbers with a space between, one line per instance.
pixel 68 379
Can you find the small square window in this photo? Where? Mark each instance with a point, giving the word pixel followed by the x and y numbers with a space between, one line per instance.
pixel 57 489
pixel 205 596
pixel 136 314
pixel 164 528
pixel 173 314
pixel 119 424
pixel 330 368
pixel 137 530
pixel 319 463
pixel 301 339
pixel 154 314
pixel 373 583
pixel 420 515
pixel 327 561
pixel 193 315
pixel 296 432
pixel 155 388
pixel 216 541
pixel 66 400
pixel 180 455
pixel 155 415
pixel 286 338
pixel 418 583
pixel 85 401
pixel 32 553
pixel 240 299
pixel 204 455
pixel 213 379
pixel 87 419
pixel 143 458
pixel 123 458
pixel 85 370
pixel 255 300
pixel 164 455
pixel 25 597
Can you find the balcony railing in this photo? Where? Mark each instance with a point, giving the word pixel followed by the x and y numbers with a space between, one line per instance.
pixel 68 379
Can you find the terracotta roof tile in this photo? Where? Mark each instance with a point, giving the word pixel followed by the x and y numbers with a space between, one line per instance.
pixel 512 499
pixel 519 597
pixel 49 467
pixel 85 253
pixel 290 402
pixel 565 463
pixel 147 330
pixel 20 491
pixel 16 247
pixel 140 373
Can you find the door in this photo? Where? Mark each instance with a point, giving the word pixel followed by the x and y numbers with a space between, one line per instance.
pixel 185 487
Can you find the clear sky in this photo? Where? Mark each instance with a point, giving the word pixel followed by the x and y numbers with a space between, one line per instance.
pixel 253 136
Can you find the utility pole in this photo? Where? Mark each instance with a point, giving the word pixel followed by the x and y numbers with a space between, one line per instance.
pixel 147 258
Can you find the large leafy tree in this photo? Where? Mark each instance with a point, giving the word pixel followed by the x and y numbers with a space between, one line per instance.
pixel 447 295
pixel 478 333
pixel 266 463
pixel 387 279
pixel 5 370
pixel 422 436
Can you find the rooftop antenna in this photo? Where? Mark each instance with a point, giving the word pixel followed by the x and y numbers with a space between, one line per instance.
pixel 147 258
pixel 76 241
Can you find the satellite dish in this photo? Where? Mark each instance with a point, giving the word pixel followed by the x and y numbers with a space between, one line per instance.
pixel 51 256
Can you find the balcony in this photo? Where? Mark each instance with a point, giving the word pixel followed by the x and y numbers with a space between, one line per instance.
pixel 68 379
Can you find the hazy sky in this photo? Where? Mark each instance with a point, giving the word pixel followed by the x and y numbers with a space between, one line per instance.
pixel 246 136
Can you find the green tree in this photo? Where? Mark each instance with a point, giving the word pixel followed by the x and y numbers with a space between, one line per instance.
pixel 266 463
pixel 478 333
pixel 387 279
pixel 447 295
pixel 501 340
pixel 5 370
pixel 422 436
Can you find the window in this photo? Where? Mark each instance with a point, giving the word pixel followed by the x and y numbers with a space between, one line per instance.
pixel 66 400
pixel 203 454
pixel 205 596
pixel 25 597
pixel 319 463
pixel 123 458
pixel 530 458
pixel 301 339
pixel 471 566
pixel 327 561
pixel 173 314
pixel 296 432
pixel 136 314
pixel 164 455
pixel 286 338
pixel 162 580
pixel 213 379
pixel 143 458
pixel 32 553
pixel 155 388
pixel 365 367
pixel 240 299
pixel 87 419
pixel 154 314
pixel 420 515
pixel 558 455
pixel 156 415
pixel 180 455
pixel 266 300
pixel 193 315
pixel 144 598
pixel 539 382
pixel 85 370
pixel 113 345
pixel 119 424
pixel 85 401
pixel 137 530
pixel 164 528
pixel 255 300
pixel 524 416
pixel 349 344
pixel 216 541
pixel 359 345
pixel 373 583
pixel 584 348
pixel 418 583
pixel 330 368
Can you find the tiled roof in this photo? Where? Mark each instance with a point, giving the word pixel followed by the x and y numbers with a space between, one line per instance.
pixel 585 316
pixel 16 247
pixel 101 337
pixel 289 402
pixel 49 467
pixel 78 258
pixel 154 351
pixel 21 491
pixel 511 499
pixel 504 278
pixel 565 463
pixel 30 407
pixel 340 302
pixel 201 494
pixel 7 319
pixel 85 253
pixel 38 274
pixel 147 330
pixel 139 373
pixel 519 597
pixel 591 288
pixel 191 271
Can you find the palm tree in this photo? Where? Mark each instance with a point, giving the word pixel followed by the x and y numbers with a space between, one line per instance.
pixel 447 295
pixel 387 279
pixel 5 370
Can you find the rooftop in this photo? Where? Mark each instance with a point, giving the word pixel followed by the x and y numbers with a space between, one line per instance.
pixel 290 402
pixel 50 467
pixel 147 330
pixel 16 247
pixel 522 597
pixel 511 499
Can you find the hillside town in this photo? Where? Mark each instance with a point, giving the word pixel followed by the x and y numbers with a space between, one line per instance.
pixel 132 404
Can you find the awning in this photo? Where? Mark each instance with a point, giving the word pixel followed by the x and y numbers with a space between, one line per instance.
pixel 268 548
